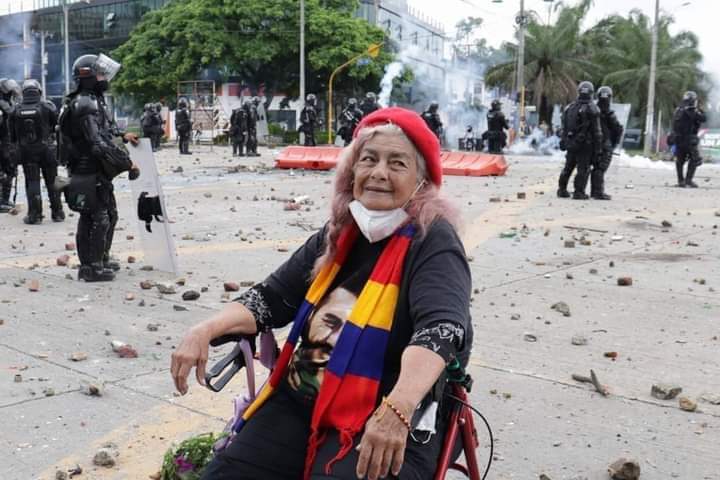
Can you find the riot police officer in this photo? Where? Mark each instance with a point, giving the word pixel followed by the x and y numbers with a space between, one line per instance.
pixel 238 129
pixel 147 124
pixel 497 124
pixel 582 139
pixel 611 134
pixel 308 120
pixel 369 105
pixel 183 126
pixel 9 92
pixel 33 128
pixel 158 124
pixel 432 119
pixel 349 119
pixel 251 112
pixel 86 131
pixel 687 120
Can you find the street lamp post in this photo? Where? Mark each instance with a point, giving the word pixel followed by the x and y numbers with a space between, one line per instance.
pixel 67 46
pixel 651 86
pixel 302 50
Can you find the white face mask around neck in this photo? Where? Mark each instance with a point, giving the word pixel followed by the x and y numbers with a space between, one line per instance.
pixel 377 225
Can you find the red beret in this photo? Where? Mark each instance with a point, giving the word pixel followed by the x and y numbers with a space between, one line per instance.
pixel 416 130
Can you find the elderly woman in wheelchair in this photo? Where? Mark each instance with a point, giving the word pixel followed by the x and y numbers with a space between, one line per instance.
pixel 378 301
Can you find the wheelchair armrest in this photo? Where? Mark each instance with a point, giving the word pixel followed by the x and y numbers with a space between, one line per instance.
pixel 225 369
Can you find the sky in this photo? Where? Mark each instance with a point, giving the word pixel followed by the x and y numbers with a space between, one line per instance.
pixel 700 17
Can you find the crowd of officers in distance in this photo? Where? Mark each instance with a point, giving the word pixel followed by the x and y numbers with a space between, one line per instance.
pixel 591 132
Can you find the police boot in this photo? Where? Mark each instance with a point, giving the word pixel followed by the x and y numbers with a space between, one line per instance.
pixel 580 196
pixel 95 273
pixel 563 193
pixel 689 177
pixel 34 216
pixel 33 219
pixel 5 204
pixel 110 263
pixel 58 215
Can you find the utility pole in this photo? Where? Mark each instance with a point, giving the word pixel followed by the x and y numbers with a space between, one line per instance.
pixel 651 87
pixel 43 63
pixel 522 22
pixel 302 50
pixel 67 46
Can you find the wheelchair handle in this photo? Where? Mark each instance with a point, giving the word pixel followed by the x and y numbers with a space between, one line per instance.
pixel 226 368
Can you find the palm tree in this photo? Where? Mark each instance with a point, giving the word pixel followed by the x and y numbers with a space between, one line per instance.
pixel 622 47
pixel 555 61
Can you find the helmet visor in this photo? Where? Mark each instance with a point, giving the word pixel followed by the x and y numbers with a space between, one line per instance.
pixel 107 67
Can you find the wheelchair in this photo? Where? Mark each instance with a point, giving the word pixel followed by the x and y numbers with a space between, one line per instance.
pixel 461 435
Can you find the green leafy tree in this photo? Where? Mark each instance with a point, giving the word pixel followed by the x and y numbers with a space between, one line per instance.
pixel 256 40
pixel 622 47
pixel 554 61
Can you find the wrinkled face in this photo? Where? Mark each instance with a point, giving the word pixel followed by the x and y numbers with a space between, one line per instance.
pixel 385 172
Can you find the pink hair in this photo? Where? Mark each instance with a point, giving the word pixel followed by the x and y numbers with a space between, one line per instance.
pixel 424 208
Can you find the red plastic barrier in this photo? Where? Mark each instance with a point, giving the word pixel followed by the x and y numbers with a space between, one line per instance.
pixel 309 158
pixel 473 164
pixel 468 164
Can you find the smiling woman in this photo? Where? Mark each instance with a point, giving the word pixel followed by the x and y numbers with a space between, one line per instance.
pixel 379 301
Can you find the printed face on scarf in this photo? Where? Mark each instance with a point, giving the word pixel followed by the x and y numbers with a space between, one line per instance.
pixel 328 320
pixel 385 172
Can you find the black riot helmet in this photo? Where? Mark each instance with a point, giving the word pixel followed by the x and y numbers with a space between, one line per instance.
pixel 182 102
pixel 434 105
pixel 690 99
pixel 310 99
pixel 604 98
pixel 247 104
pixel 352 102
pixel 158 107
pixel 370 97
pixel 256 100
pixel 9 88
pixel 495 105
pixel 94 71
pixel 585 91
pixel 31 91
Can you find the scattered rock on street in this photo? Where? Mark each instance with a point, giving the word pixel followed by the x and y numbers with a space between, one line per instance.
pixel 105 457
pixel 579 340
pixel 62 260
pixel 666 224
pixel 624 469
pixel 569 243
pixel 78 356
pixel 529 337
pixel 625 281
pixel 231 286
pixel 710 398
pixel 561 307
pixel 247 283
pixel 147 284
pixel 131 259
pixel 123 350
pixel 165 288
pixel 92 388
pixel 34 286
pixel 687 404
pixel 190 295
pixel 665 391
pixel 152 327
pixel 70 246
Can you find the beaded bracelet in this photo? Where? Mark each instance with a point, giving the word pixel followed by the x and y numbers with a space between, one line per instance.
pixel 397 411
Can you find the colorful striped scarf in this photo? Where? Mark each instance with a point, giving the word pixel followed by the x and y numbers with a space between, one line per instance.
pixel 351 381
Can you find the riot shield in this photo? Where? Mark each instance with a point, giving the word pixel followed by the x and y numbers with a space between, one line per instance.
pixel 262 124
pixel 155 235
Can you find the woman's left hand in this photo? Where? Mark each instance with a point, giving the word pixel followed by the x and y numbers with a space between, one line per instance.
pixel 382 447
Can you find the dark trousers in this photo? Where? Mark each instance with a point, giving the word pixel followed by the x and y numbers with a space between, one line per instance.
pixel 96 229
pixel 251 141
pixel 184 142
pixel 272 446
pixel 580 159
pixel 34 164
pixel 238 141
pixel 8 171
pixel 599 168
pixel 690 155
pixel 309 136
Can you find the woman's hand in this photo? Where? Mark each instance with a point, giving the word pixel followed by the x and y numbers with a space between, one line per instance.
pixel 192 352
pixel 132 138
pixel 382 447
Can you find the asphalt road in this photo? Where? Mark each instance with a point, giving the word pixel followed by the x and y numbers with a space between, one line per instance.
pixel 231 227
